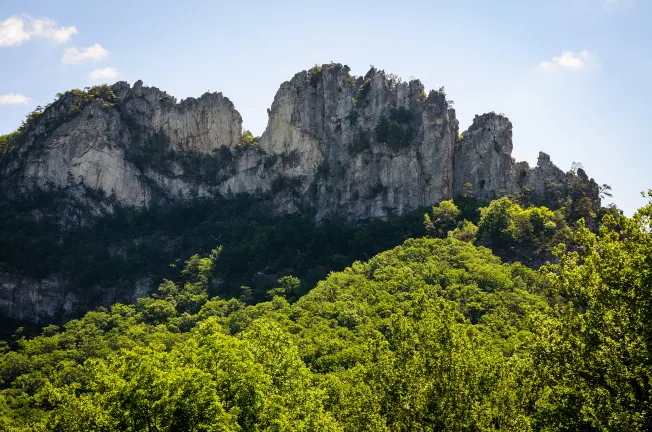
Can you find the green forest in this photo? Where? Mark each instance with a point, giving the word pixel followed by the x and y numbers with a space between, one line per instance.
pixel 506 317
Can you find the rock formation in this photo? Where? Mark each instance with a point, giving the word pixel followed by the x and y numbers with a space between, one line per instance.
pixel 335 145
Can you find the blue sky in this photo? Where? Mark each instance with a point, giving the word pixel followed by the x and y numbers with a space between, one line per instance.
pixel 574 76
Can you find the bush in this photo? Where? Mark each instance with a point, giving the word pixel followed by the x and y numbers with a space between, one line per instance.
pixel 361 142
pixel 504 224
pixel 396 130
pixel 314 74
pixel 6 141
pixel 352 116
pixel 465 231
pixel 444 219
pixel 365 87
pixel 376 190
pixel 246 139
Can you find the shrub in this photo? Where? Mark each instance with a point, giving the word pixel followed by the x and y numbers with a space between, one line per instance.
pixel 376 190
pixel 394 79
pixel 444 219
pixel 246 139
pixel 314 74
pixel 365 87
pixel 465 231
pixel 323 169
pixel 352 117
pixel 7 140
pixel 83 98
pixel 535 230
pixel 361 142
pixel 395 131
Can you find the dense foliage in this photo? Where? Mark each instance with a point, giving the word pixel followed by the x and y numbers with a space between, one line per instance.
pixel 515 232
pixel 436 334
pixel 128 245
pixel 363 350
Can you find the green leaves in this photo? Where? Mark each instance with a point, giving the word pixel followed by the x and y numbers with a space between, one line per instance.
pixel 444 219
pixel 435 334
pixel 594 352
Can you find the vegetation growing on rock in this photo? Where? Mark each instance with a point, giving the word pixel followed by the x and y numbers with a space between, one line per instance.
pixel 246 139
pixel 395 130
pixel 314 75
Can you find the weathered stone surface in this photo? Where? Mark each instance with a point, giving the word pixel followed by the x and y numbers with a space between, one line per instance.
pixel 33 300
pixel 326 135
pixel 335 144
pixel 203 124
pixel 483 158
pixel 321 148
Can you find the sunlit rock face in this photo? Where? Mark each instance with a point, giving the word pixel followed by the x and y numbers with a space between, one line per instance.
pixel 342 146
pixel 339 145
pixel 335 146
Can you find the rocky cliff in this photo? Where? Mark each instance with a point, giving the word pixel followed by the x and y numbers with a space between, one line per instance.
pixel 336 146
pixel 345 146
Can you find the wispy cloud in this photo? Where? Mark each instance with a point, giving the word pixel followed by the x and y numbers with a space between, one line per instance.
pixel 15 31
pixel 14 99
pixel 567 60
pixel 47 29
pixel 93 53
pixel 106 73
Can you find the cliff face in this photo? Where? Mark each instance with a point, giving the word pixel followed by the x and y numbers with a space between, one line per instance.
pixel 348 147
pixel 33 299
pixel 335 146
pixel 342 146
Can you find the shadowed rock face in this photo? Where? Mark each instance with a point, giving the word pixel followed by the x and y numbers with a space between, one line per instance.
pixel 335 145
pixel 32 299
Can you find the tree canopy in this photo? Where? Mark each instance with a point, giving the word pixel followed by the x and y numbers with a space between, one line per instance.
pixel 435 334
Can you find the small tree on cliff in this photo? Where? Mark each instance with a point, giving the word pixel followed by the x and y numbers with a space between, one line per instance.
pixel 444 219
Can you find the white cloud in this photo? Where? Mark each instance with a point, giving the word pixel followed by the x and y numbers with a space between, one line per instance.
pixel 93 53
pixel 568 60
pixel 14 31
pixel 46 28
pixel 106 73
pixel 14 99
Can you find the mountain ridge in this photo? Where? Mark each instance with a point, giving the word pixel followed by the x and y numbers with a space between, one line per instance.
pixel 349 147
pixel 336 147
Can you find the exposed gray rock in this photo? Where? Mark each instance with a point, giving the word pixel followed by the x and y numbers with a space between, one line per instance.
pixel 321 148
pixel 335 144
pixel 483 159
pixel 34 300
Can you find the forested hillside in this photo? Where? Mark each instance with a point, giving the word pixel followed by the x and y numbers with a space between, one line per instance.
pixel 132 247
pixel 435 334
